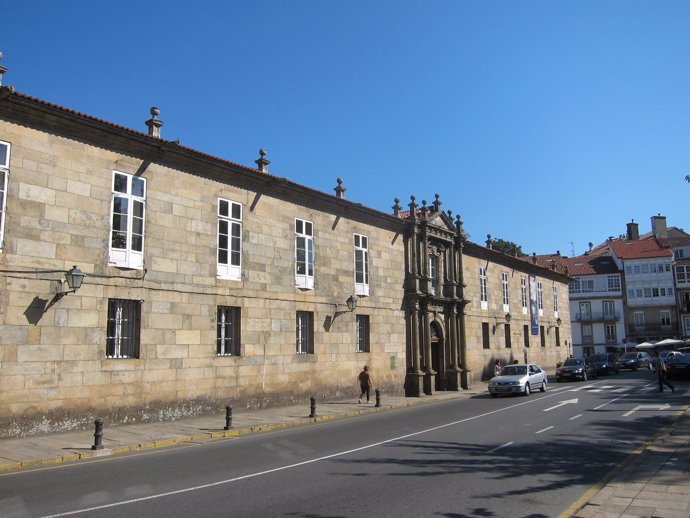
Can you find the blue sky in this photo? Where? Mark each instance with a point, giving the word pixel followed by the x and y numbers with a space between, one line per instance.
pixel 547 123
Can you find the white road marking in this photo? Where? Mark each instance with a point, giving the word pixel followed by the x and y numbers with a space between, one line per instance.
pixel 647 407
pixel 544 429
pixel 561 403
pixel 501 447
pixel 575 417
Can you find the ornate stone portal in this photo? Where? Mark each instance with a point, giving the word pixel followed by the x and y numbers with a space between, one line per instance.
pixel 434 302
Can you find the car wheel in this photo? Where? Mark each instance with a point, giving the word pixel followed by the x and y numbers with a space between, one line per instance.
pixel 527 391
pixel 543 386
pixel 493 395
pixel 559 380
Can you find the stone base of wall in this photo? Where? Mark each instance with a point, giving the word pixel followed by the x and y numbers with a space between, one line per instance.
pixel 64 420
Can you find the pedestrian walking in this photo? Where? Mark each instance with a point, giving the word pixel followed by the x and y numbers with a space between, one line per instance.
pixel 661 374
pixel 497 368
pixel 364 383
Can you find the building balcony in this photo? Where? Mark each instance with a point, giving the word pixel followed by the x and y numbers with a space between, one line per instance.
pixel 597 317
pixel 653 329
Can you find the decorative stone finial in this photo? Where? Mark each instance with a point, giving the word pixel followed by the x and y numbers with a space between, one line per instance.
pixel 396 208
pixel 154 123
pixel 262 161
pixel 437 201
pixel 339 190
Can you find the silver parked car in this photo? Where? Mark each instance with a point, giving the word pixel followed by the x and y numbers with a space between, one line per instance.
pixel 518 378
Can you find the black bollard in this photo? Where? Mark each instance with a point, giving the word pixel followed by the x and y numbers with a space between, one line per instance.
pixel 313 406
pixel 98 443
pixel 378 398
pixel 228 418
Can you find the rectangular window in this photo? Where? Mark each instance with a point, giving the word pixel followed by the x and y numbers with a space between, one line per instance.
pixel 305 332
pixel 124 324
pixel 558 337
pixel 665 317
pixel 506 334
pixel 610 333
pixel 638 293
pixel 555 300
pixel 678 253
pixel 485 335
pixel 540 297
pixel 636 268
pixel 683 274
pixel 4 179
pixel 228 336
pixel 362 333
pixel 655 292
pixel 523 294
pixel 361 265
pixel 638 318
pixel 304 254
pixel 483 293
pixel 504 289
pixel 631 293
pixel 587 335
pixel 648 292
pixel 525 335
pixel 609 310
pixel 433 274
pixel 127 221
pixel 542 336
pixel 645 268
pixel 229 239
pixel 613 282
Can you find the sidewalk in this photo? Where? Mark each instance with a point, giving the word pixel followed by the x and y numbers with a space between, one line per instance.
pixel 653 482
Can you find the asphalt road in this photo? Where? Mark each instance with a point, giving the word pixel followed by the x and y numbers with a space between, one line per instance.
pixel 504 457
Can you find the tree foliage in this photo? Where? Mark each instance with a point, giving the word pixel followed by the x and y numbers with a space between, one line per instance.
pixel 507 247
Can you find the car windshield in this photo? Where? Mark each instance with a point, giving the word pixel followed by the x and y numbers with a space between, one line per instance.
pixel 598 358
pixel 684 358
pixel 514 370
pixel 574 361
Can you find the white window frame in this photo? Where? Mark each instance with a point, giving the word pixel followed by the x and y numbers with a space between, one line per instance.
pixel 665 318
pixel 483 292
pixel 555 301
pixel 523 295
pixel 361 258
pixel 638 319
pixel 127 256
pixel 4 180
pixel 229 240
pixel 433 273
pixel 505 291
pixel 540 298
pixel 304 241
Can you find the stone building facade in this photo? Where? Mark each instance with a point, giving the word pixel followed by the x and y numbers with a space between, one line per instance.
pixel 467 305
pixel 207 282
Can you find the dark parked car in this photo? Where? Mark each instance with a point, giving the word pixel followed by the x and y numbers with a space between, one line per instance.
pixel 574 369
pixel 604 363
pixel 634 360
pixel 678 366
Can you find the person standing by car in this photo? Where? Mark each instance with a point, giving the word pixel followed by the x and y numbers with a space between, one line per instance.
pixel 497 368
pixel 661 374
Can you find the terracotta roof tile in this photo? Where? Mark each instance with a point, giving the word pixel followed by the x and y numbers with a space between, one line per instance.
pixel 639 249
